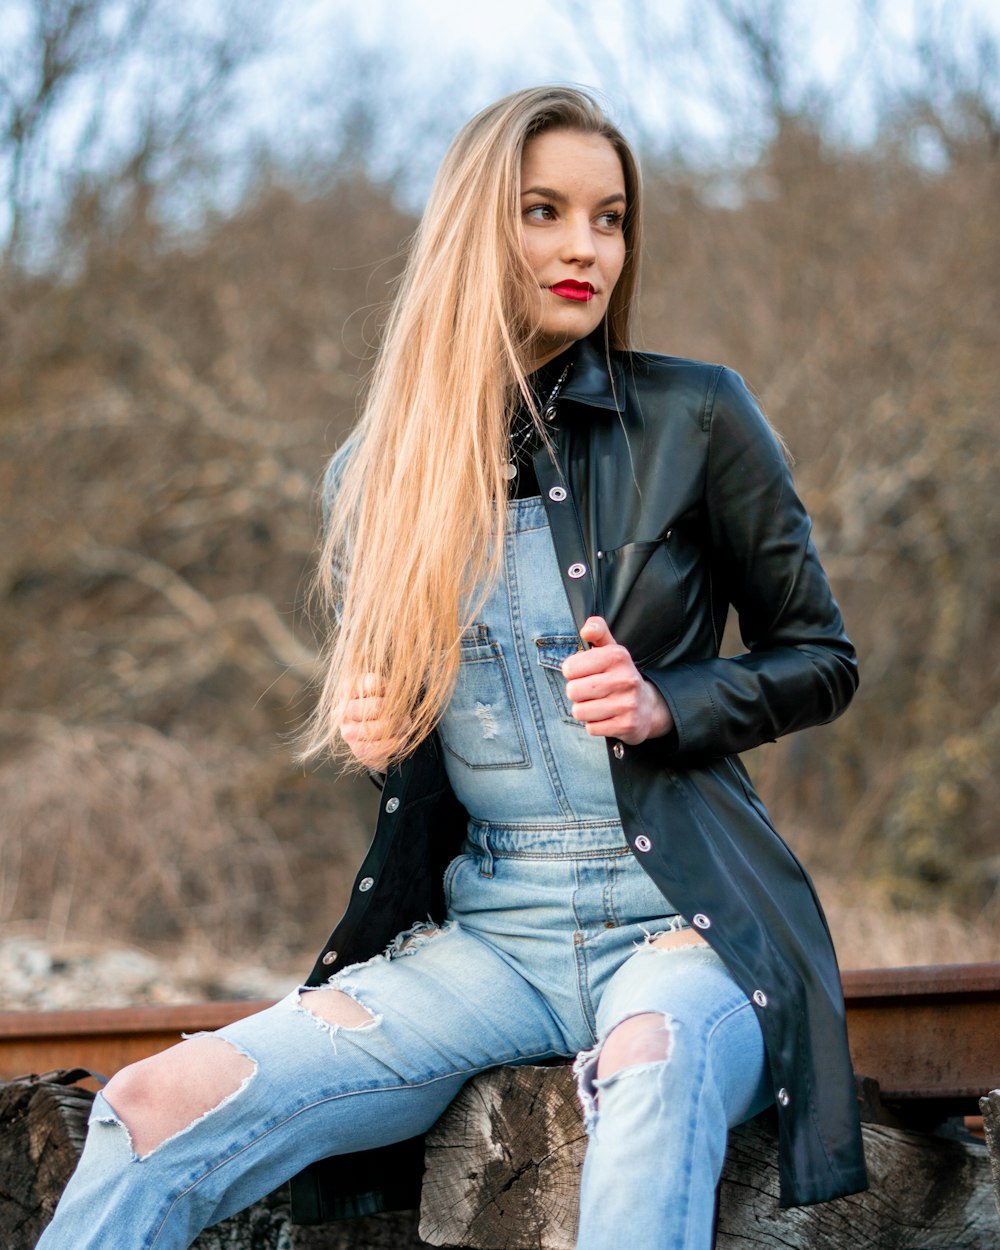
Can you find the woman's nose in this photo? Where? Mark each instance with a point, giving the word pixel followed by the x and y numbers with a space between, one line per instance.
pixel 578 241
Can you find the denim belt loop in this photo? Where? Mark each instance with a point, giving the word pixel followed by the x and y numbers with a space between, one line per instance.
pixel 486 857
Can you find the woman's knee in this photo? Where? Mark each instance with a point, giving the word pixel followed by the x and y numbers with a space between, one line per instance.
pixel 337 1008
pixel 162 1095
pixel 644 1038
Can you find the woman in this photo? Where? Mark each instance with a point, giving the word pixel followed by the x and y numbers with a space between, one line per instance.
pixel 533 539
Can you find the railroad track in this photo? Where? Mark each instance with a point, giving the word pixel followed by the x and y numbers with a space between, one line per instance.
pixel 927 1036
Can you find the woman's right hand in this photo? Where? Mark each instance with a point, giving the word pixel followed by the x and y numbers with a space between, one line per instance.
pixel 362 727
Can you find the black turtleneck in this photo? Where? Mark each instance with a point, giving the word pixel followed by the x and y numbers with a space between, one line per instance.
pixel 542 382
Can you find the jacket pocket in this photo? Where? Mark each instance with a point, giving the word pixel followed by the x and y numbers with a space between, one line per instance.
pixel 480 726
pixel 644 598
pixel 551 653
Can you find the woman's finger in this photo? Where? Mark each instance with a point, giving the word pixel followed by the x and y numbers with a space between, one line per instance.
pixel 368 708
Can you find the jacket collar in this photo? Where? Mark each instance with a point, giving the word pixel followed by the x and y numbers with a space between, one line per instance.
pixel 597 378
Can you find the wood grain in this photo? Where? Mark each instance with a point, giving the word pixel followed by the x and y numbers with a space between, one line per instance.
pixel 503 1167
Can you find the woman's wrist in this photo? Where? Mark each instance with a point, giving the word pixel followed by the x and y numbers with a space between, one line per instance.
pixel 658 716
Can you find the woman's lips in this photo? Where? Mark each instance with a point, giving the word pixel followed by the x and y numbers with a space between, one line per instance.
pixel 569 289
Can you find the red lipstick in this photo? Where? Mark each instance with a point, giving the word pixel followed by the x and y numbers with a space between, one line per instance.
pixel 568 289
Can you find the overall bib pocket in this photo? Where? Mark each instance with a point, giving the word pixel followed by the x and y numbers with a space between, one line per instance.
pixel 551 653
pixel 480 726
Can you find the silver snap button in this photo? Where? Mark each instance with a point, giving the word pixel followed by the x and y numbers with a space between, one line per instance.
pixel 550 412
pixel 392 805
pixel 365 884
pixel 701 921
pixel 329 958
pixel 760 998
pixel 642 843
pixel 784 1097
pixel 577 570
pixel 618 751
pixel 557 494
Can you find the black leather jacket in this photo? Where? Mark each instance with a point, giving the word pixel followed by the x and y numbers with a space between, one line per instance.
pixel 670 499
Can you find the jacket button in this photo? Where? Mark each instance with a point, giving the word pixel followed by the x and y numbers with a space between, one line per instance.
pixel 557 494
pixel 642 843
pixel 329 958
pixel 618 751
pixel 550 412
pixel 392 805
pixel 784 1097
pixel 577 570
pixel 365 884
pixel 760 998
pixel 701 921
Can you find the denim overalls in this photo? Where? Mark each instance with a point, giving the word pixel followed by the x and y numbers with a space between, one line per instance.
pixel 544 950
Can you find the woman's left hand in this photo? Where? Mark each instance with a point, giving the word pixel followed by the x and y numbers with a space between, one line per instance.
pixel 609 694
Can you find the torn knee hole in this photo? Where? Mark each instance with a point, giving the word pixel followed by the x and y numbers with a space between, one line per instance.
pixel 674 938
pixel 646 1038
pixel 337 1008
pixel 412 940
pixel 169 1093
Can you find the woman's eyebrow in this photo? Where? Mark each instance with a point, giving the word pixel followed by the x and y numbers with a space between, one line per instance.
pixel 617 197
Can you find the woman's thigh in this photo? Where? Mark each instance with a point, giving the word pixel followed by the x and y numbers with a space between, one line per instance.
pixel 374 1056
pixel 689 1012
pixel 371 1058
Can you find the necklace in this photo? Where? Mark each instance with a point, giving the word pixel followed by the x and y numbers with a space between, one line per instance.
pixel 522 428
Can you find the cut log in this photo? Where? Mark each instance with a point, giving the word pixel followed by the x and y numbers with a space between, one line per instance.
pixel 42 1127
pixel 990 1108
pixel 503 1167
pixel 926 1191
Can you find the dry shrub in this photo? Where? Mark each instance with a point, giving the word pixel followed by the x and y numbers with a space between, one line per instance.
pixel 164 420
pixel 859 294
pixel 162 429
pixel 122 831
pixel 869 932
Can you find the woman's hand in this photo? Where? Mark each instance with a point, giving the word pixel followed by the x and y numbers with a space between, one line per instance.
pixel 609 694
pixel 362 727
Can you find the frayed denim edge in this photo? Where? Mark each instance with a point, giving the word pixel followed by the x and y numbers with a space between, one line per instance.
pixel 112 1117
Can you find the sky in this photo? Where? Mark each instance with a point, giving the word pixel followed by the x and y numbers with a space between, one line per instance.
pixel 441 55
pixel 413 70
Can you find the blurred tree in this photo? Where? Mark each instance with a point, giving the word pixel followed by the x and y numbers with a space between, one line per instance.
pixel 175 376
pixel 112 94
pixel 859 290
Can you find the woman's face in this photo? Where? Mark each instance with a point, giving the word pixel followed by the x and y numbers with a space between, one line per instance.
pixel 572 208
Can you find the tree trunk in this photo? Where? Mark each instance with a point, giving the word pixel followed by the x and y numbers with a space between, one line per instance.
pixel 42 1127
pixel 503 1163
pixel 990 1108
pixel 503 1166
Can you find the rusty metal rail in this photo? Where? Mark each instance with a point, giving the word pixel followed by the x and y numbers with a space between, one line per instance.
pixel 926 1035
pixel 103 1040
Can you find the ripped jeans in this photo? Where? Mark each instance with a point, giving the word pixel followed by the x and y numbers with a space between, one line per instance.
pixel 546 948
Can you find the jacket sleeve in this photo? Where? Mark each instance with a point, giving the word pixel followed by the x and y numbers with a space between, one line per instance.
pixel 331 483
pixel 799 669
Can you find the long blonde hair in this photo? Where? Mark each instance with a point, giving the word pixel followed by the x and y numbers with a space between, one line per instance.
pixel 412 542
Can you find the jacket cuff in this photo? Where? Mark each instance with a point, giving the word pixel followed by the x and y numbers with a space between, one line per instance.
pixel 689 698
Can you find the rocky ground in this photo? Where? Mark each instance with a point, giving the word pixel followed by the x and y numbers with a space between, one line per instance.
pixel 37 975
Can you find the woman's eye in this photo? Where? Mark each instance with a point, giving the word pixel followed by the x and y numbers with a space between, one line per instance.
pixel 611 220
pixel 540 212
